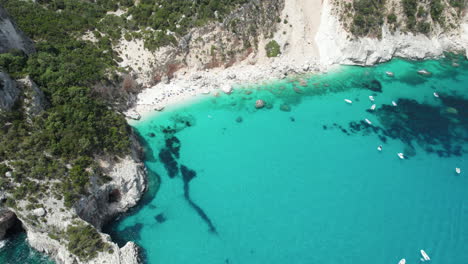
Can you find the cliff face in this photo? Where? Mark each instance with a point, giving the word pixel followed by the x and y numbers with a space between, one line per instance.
pixel 121 193
pixel 9 92
pixel 338 46
pixel 11 37
pixel 47 226
pixel 215 45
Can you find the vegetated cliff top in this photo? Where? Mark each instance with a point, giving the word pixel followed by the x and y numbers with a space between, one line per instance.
pixel 367 17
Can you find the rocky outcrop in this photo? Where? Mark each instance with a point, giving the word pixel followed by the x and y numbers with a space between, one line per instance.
pixel 34 99
pixel 11 37
pixel 9 92
pixel 121 193
pixel 46 226
pixel 7 220
pixel 336 46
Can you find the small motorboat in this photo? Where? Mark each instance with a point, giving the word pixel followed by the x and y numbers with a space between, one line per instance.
pixel 368 121
pixel 379 148
pixel 402 261
pixel 389 73
pixel 424 255
pixel 458 170
pixel 348 101
pixel 436 95
pixel 371 98
pixel 424 72
pixel 394 103
pixel 373 107
pixel 401 155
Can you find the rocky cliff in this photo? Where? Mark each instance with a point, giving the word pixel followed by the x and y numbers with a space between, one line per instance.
pixel 11 37
pixel 47 226
pixel 9 92
pixel 338 46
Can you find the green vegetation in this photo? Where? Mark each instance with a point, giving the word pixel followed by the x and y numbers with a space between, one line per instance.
pixel 78 123
pixel 85 242
pixel 368 17
pixel 272 49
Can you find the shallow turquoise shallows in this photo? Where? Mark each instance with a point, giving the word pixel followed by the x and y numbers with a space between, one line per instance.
pixel 308 185
pixel 301 180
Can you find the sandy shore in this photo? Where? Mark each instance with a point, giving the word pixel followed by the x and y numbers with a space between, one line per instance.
pixel 299 55
pixel 312 39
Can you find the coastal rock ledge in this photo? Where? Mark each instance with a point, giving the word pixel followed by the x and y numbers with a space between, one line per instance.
pixel 126 186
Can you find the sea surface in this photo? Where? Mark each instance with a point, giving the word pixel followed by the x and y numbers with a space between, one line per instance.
pixel 301 180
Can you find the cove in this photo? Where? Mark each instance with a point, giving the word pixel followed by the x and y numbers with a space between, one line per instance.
pixel 301 180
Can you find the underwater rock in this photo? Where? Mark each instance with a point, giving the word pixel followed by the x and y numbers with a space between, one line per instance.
pixel 173 144
pixel 297 90
pixel 187 174
pixel 451 110
pixel 292 119
pixel 165 155
pixel 160 218
pixel 259 104
pixel 285 108
pixel 152 135
pixel 239 119
pixel 374 85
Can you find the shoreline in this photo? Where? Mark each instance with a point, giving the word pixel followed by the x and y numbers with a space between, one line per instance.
pixel 190 86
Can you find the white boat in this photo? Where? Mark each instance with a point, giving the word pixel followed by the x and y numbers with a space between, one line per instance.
pixel 402 261
pixel 368 121
pixel 348 101
pixel 401 155
pixel 394 103
pixel 389 73
pixel 424 72
pixel 458 170
pixel 424 255
pixel 436 95
pixel 373 107
pixel 379 148
pixel 371 98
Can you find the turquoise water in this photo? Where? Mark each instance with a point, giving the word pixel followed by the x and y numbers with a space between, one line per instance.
pixel 15 250
pixel 307 185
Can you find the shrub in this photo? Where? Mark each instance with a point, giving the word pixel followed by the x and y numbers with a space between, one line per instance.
pixel 272 49
pixel 84 241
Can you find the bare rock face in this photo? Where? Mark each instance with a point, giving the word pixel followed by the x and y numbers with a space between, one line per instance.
pixel 9 92
pixel 34 101
pixel 337 47
pixel 7 220
pixel 121 193
pixel 11 37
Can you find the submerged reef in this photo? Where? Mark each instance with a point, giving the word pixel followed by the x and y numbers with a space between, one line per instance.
pixel 169 156
pixel 440 129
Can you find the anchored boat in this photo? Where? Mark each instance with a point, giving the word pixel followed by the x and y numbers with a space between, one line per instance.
pixel 373 107
pixel 401 155
pixel 402 261
pixel 424 255
pixel 348 101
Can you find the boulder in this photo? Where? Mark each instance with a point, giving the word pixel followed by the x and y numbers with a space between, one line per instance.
pixel 8 174
pixel 227 89
pixel 39 211
pixel 259 104
pixel 285 108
